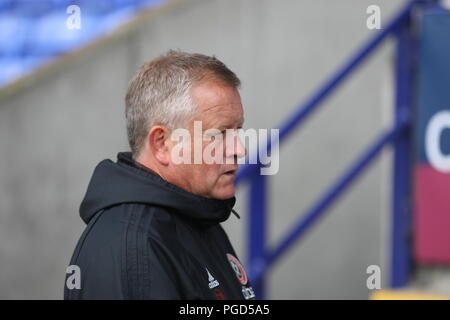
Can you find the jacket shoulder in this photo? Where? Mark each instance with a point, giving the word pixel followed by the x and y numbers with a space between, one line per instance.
pixel 118 253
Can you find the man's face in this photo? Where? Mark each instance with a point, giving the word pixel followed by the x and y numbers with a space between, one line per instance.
pixel 218 107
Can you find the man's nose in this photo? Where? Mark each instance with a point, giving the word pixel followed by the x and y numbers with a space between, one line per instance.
pixel 237 148
pixel 241 151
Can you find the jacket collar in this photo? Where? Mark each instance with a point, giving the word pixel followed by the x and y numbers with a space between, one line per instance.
pixel 127 181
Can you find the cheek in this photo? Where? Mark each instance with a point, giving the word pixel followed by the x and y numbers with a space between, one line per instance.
pixel 211 183
pixel 211 176
pixel 213 172
pixel 206 176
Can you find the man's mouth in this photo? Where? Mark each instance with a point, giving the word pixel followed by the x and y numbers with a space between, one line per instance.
pixel 230 172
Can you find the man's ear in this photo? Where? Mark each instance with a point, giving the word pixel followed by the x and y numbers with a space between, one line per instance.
pixel 157 140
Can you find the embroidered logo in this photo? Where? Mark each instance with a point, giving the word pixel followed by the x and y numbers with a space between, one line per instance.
pixel 238 269
pixel 248 293
pixel 212 282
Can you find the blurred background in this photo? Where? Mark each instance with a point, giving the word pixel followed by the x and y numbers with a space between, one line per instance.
pixel 62 89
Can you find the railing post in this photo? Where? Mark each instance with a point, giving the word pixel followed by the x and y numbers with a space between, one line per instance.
pixel 257 229
pixel 401 261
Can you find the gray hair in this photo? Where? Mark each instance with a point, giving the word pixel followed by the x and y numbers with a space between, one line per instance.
pixel 160 92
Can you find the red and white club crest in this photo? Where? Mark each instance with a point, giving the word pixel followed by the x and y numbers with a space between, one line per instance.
pixel 238 269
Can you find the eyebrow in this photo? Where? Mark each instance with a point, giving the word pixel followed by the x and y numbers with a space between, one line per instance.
pixel 227 125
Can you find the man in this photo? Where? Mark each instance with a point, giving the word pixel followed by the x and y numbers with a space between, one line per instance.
pixel 153 222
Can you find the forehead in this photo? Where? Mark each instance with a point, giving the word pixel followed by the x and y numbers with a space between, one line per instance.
pixel 217 102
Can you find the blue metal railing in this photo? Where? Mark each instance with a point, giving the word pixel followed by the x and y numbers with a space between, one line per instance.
pixel 261 258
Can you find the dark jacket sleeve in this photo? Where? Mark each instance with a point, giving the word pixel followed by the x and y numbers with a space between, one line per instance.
pixel 120 258
pixel 97 255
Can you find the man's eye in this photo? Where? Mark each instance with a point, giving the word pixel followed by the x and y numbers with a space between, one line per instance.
pixel 217 134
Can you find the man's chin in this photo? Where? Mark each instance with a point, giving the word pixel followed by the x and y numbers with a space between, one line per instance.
pixel 224 193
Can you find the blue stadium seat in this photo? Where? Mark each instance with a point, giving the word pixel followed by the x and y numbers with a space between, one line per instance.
pixel 31 8
pixel 6 4
pixel 97 7
pixel 52 36
pixel 13 34
pixel 34 31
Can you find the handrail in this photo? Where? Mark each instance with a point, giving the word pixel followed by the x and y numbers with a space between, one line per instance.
pixel 260 258
pixel 327 199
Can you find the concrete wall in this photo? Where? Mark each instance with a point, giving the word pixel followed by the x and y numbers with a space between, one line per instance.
pixel 55 129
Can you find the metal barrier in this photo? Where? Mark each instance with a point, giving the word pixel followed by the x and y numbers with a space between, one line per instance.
pixel 260 257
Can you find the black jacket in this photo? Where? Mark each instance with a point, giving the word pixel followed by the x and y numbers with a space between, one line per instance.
pixel 148 239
